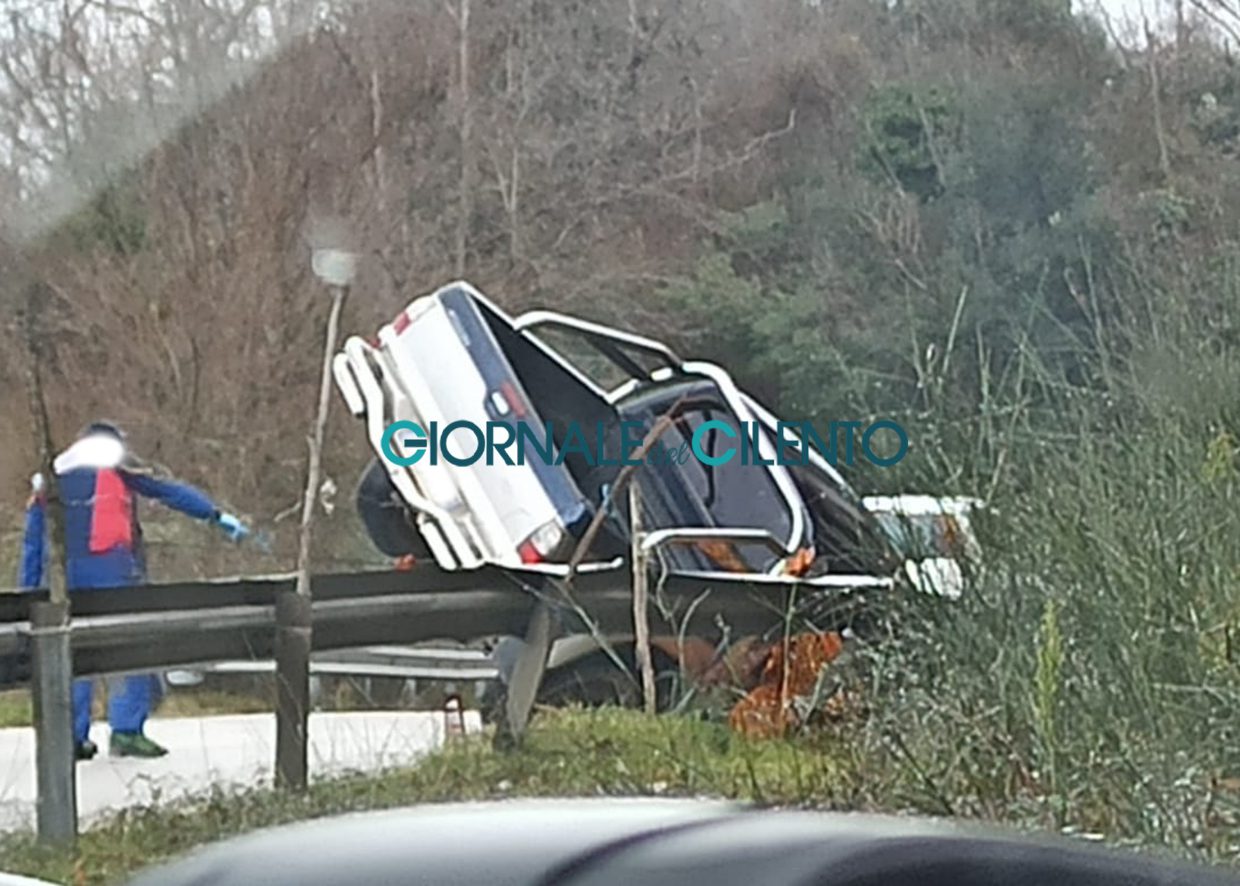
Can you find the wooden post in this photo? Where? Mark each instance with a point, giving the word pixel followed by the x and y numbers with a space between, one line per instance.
pixel 292 655
pixel 51 689
pixel 52 657
pixel 294 627
pixel 641 597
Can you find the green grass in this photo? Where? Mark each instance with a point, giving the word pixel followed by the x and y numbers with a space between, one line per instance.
pixel 569 753
pixel 607 752
pixel 15 708
pixel 225 697
pixel 204 703
pixel 1088 682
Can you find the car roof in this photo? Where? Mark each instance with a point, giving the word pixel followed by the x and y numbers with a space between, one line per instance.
pixel 515 842
pixel 659 395
pixel 654 842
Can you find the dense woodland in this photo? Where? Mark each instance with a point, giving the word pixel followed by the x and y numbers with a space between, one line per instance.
pixel 950 212
pixel 1009 224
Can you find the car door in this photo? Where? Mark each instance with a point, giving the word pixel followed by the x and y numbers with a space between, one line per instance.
pixel 687 493
pixel 848 540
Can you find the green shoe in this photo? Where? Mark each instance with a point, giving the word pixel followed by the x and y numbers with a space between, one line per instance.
pixel 134 744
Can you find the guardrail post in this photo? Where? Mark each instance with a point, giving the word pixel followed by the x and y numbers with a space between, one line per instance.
pixel 292 654
pixel 526 678
pixel 52 691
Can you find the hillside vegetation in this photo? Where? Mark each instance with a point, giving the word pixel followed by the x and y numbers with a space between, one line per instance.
pixel 1006 226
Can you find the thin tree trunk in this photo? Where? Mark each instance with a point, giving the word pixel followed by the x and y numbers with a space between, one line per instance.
pixel 465 197
pixel 52 656
pixel 1181 30
pixel 35 340
pixel 641 601
pixel 316 444
pixel 1164 157
pixel 514 192
pixel 376 133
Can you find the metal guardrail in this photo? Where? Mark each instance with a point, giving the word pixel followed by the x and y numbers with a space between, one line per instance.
pixel 360 669
pixel 160 626
pixel 401 662
pixel 155 627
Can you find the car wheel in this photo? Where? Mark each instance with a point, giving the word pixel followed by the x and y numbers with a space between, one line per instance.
pixel 385 516
pixel 595 680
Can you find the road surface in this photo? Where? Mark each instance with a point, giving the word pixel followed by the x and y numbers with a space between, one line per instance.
pixel 206 752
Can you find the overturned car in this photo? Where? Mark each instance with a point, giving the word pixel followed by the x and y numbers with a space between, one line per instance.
pixel 453 388
pixel 453 363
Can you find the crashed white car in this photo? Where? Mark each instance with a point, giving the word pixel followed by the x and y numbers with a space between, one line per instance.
pixel 453 362
pixel 936 536
pixel 454 356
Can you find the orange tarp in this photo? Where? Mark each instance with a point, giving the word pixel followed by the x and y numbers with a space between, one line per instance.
pixel 791 671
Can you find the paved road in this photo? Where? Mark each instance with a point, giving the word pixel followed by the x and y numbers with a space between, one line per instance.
pixel 224 751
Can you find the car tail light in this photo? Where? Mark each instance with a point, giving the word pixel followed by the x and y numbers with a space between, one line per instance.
pixel 542 543
pixel 401 323
pixel 529 553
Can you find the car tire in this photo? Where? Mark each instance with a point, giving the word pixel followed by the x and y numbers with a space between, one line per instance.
pixel 595 680
pixel 385 516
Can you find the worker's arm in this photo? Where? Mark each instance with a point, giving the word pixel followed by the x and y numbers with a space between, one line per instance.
pixel 186 499
pixel 178 496
pixel 33 546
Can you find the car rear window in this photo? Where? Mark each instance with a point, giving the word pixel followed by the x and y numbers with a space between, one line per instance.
pixel 732 495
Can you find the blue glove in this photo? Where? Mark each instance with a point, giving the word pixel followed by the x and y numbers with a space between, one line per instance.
pixel 232 526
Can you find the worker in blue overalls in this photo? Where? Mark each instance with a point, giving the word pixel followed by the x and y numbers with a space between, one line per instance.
pixel 98 480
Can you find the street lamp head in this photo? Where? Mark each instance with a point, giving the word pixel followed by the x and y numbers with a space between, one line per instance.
pixel 335 267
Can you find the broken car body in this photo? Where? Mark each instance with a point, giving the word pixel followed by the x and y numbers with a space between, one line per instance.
pixel 454 356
